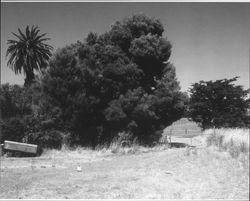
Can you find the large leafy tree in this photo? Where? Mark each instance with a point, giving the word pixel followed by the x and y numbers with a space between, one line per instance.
pixel 219 103
pixel 118 81
pixel 28 52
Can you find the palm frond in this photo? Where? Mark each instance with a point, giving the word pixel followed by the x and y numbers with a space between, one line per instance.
pixel 38 37
pixel 33 31
pixel 43 39
pixel 27 32
pixel 19 37
pixel 22 34
pixel 36 31
pixel 11 41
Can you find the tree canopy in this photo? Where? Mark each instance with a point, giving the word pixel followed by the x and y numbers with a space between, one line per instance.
pixel 219 103
pixel 121 80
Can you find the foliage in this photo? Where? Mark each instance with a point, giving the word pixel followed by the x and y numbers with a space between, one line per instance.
pixel 219 103
pixel 27 117
pixel 28 53
pixel 118 81
pixel 14 101
pixel 13 129
pixel 46 139
pixel 43 131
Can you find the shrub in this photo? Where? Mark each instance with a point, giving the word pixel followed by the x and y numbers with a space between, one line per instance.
pixel 13 129
pixel 51 139
pixel 43 131
pixel 15 101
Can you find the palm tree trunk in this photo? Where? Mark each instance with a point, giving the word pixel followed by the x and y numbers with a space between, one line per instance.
pixel 30 77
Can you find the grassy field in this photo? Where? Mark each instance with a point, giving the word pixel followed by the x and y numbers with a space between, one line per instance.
pixel 200 172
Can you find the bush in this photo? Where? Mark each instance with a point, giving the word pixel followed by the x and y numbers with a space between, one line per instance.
pixel 43 131
pixel 13 130
pixel 15 101
pixel 28 117
pixel 51 139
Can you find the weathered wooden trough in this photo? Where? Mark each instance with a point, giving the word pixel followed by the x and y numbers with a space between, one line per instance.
pixel 18 146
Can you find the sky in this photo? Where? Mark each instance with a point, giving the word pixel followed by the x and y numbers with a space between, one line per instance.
pixel 210 40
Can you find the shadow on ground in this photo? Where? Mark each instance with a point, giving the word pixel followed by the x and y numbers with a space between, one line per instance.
pixel 179 145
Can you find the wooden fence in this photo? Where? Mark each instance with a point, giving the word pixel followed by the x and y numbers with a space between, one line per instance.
pixel 180 133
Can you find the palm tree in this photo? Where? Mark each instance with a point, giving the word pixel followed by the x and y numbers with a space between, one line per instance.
pixel 28 53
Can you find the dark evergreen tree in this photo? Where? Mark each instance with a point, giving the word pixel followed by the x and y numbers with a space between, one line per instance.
pixel 219 103
pixel 118 81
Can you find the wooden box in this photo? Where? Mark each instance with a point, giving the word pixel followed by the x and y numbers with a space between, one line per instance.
pixel 17 146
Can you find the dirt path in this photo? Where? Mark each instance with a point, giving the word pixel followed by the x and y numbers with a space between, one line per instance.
pixel 166 174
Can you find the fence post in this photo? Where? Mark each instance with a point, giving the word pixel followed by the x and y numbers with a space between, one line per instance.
pixel 186 131
pixel 170 135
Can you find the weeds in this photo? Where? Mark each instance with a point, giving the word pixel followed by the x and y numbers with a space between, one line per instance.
pixel 124 144
pixel 235 141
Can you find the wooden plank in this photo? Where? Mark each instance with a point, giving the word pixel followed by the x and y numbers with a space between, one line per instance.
pixel 17 146
pixel 184 129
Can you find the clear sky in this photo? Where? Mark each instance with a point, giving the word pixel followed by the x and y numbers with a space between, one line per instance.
pixel 210 40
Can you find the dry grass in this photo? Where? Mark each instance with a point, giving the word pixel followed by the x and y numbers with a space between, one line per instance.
pixel 115 148
pixel 202 173
pixel 235 141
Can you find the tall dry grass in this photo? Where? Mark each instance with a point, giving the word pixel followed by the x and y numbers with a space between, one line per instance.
pixel 235 140
pixel 117 146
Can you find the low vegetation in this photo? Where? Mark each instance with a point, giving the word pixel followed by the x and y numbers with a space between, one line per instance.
pixel 235 141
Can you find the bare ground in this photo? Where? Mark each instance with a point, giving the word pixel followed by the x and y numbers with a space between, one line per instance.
pixel 203 173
